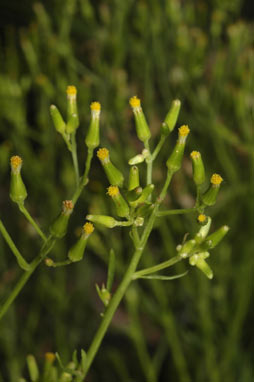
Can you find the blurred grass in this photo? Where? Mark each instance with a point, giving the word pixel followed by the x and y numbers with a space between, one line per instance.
pixel 201 52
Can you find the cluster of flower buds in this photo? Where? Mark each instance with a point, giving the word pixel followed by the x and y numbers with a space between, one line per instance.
pixel 196 249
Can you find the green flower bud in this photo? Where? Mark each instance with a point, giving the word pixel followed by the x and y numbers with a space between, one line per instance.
pixel 104 294
pixel 174 162
pixel 76 253
pixel 121 206
pixel 57 119
pixel 133 178
pixel 71 92
pixel 137 159
pixel 145 209
pixel 203 232
pixel 65 377
pixel 48 366
pixel 93 136
pixel 209 198
pixel 187 248
pixel 107 221
pixel 198 168
pixel 142 128
pixel 204 267
pixel 147 191
pixel 133 195
pixel 32 367
pixel 171 118
pixel 18 191
pixel 114 176
pixel 214 239
pixel 72 124
pixel 59 227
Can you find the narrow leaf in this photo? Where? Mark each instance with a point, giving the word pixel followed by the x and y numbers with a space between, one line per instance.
pixel 165 278
pixel 83 359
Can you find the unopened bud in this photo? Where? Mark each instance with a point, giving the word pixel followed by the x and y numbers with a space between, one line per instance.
pixel 133 178
pixel 107 221
pixel 171 118
pixel 57 119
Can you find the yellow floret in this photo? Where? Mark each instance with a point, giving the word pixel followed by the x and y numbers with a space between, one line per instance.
pixel 195 154
pixel 16 162
pixel 201 218
pixel 103 153
pixel 50 357
pixel 134 101
pixel 184 130
pixel 216 179
pixel 95 106
pixel 113 191
pixel 88 228
pixel 71 90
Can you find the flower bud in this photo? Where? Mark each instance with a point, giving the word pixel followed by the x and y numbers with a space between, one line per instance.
pixel 137 159
pixel 198 260
pixel 145 209
pixel 171 118
pixel 32 367
pixel 107 221
pixel 187 248
pixel 133 195
pixel 198 168
pixel 72 124
pixel 76 253
pixel 174 162
pixel 59 227
pixel 203 232
pixel 71 92
pixel 114 176
pixel 209 198
pixel 48 367
pixel 93 135
pixel 144 196
pixel 121 206
pixel 133 178
pixel 18 191
pixel 142 128
pixel 104 294
pixel 57 119
pixel 214 239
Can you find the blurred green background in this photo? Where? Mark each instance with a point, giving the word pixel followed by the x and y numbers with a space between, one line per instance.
pixel 201 52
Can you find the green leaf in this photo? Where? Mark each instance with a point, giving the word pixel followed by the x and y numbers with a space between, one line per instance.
pixel 111 269
pixel 60 361
pixel 75 358
pixel 165 278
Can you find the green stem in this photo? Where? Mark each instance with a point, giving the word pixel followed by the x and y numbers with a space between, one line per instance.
pixel 20 259
pixel 156 268
pixel 31 220
pixel 74 157
pixel 149 163
pixel 84 178
pixel 177 212
pixel 115 301
pixel 46 248
pixel 158 147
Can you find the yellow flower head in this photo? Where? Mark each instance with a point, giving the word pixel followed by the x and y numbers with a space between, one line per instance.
pixel 201 218
pixel 71 90
pixel 113 191
pixel 134 102
pixel 50 357
pixel 216 179
pixel 195 154
pixel 16 162
pixel 103 154
pixel 95 106
pixel 88 228
pixel 183 131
